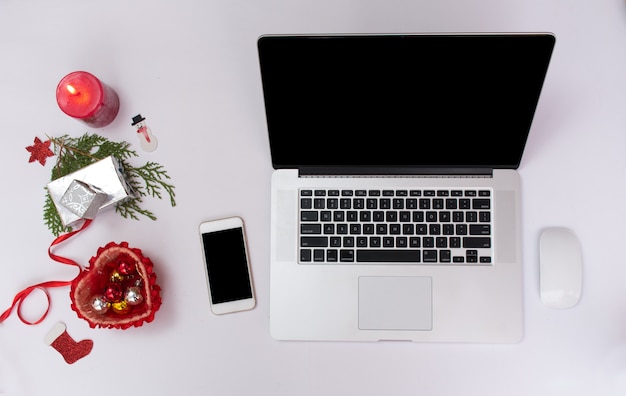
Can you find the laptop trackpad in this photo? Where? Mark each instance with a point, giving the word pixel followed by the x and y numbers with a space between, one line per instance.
pixel 395 303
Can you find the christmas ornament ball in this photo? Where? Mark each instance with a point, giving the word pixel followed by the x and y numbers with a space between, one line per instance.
pixel 113 292
pixel 133 295
pixel 100 304
pixel 126 266
pixel 120 307
pixel 116 276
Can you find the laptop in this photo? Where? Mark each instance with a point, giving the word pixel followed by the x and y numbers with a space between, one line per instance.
pixel 395 196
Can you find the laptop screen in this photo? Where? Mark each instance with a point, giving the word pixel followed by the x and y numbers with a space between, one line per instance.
pixel 436 101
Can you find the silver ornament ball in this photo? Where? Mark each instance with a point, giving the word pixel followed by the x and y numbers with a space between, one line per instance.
pixel 133 295
pixel 100 304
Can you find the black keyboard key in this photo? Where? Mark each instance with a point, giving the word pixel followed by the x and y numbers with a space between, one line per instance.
pixel 391 216
pixel 319 241
pixel 332 255
pixel 306 203
pixel 476 242
pixel 379 215
pixel 455 242
pixel 352 215
pixel 481 203
pixel 346 255
pixel 480 229
pixel 430 256
pixel 305 255
pixel 484 217
pixel 309 215
pixel 310 228
pixel 318 255
pixel 391 255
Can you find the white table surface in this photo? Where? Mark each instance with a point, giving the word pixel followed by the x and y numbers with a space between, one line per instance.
pixel 190 67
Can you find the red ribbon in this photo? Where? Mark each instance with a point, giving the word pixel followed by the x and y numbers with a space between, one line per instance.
pixel 21 296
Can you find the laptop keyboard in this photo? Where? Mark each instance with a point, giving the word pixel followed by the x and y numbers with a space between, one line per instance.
pixel 429 226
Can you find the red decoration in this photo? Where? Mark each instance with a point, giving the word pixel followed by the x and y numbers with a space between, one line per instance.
pixel 126 265
pixel 83 96
pixel 40 151
pixel 113 292
pixel 95 279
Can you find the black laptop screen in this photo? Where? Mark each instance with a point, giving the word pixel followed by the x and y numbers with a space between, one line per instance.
pixel 401 100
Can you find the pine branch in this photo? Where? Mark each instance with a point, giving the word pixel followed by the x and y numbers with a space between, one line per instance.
pixel 52 219
pixel 74 154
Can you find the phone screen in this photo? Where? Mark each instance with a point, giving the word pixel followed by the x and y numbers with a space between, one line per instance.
pixel 227 265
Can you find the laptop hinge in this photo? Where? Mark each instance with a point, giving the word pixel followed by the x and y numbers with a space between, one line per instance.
pixel 398 171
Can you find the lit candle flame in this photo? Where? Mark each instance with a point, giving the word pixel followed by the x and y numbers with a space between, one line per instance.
pixel 71 89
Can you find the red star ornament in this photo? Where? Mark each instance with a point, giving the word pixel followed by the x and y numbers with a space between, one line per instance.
pixel 40 151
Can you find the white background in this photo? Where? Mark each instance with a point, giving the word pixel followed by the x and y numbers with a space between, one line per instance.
pixel 190 67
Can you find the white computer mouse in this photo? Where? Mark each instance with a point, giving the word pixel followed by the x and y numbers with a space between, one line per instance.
pixel 560 268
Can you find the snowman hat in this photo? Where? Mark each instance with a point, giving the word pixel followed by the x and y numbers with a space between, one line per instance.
pixel 137 119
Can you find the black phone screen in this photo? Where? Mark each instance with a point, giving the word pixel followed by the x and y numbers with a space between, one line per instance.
pixel 227 265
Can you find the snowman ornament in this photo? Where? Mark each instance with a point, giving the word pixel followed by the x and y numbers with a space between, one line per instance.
pixel 147 140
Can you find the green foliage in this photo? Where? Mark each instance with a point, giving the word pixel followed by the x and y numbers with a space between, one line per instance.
pixel 73 154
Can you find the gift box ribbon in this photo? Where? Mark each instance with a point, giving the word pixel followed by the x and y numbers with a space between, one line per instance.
pixel 21 296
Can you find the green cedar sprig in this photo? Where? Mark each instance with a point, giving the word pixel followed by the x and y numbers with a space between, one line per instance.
pixel 74 153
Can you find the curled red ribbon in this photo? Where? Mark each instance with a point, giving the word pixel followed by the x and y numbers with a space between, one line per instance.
pixel 21 296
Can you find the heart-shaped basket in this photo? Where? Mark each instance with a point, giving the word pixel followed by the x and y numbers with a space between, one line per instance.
pixel 117 290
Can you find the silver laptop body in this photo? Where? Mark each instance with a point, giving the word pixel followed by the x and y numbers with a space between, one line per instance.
pixel 432 116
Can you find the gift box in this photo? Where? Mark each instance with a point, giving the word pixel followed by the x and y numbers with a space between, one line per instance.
pixel 106 176
pixel 82 199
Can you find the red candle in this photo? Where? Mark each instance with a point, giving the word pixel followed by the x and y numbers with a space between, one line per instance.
pixel 82 96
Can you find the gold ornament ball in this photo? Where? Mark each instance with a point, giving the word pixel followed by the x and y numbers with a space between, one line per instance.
pixel 116 276
pixel 120 307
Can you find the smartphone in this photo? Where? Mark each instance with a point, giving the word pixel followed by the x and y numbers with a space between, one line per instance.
pixel 227 265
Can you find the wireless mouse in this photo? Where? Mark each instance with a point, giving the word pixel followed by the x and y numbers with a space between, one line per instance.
pixel 560 263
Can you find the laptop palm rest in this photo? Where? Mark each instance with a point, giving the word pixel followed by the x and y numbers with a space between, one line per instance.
pixel 395 303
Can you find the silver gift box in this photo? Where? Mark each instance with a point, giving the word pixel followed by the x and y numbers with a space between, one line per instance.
pixel 82 199
pixel 106 175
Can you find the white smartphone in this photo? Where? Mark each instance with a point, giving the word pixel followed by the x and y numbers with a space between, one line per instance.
pixel 227 265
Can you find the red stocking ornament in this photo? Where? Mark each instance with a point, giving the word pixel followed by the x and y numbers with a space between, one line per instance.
pixel 71 350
